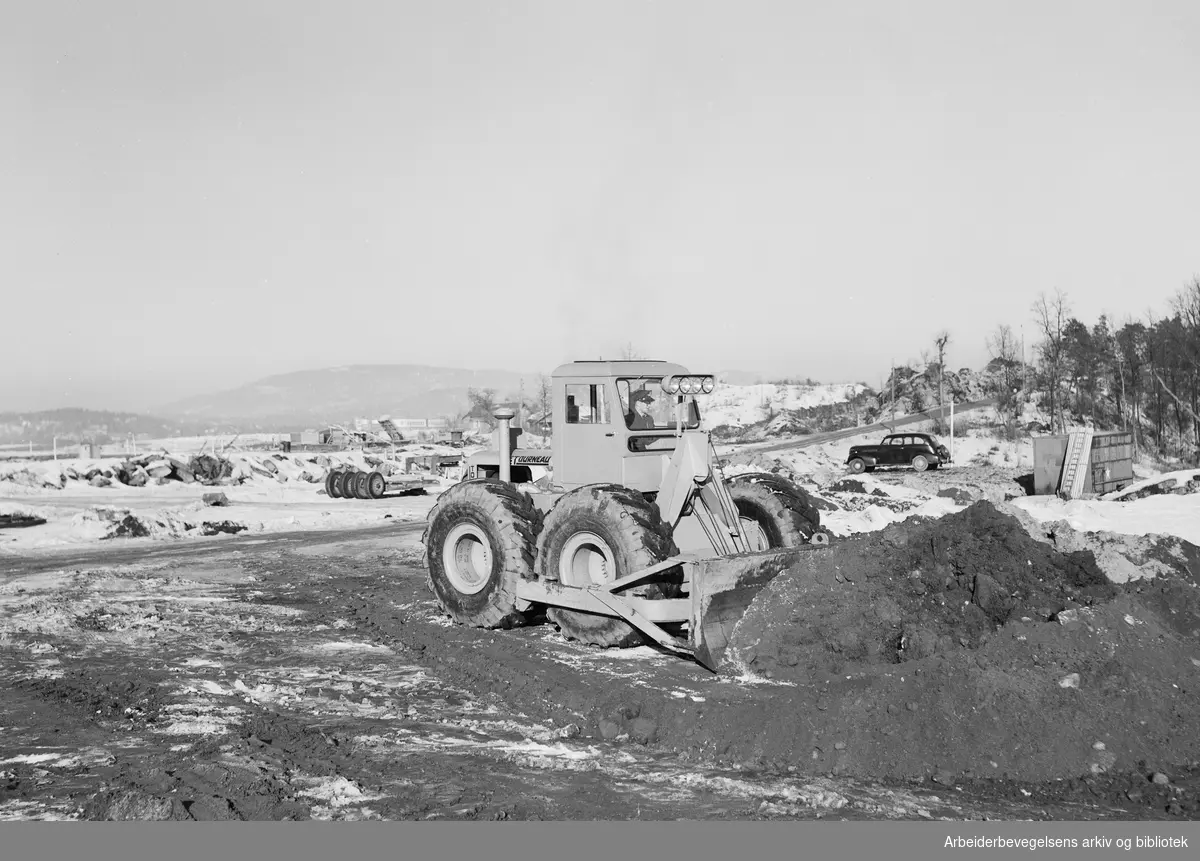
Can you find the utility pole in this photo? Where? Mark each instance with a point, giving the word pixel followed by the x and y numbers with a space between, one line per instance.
pixel 893 390
pixel 941 342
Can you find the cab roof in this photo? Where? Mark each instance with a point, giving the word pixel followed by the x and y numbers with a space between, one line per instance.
pixel 619 368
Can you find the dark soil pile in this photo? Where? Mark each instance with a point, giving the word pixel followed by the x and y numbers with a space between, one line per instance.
pixel 965 646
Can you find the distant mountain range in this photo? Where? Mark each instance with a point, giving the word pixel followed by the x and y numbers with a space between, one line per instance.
pixel 313 398
pixel 98 426
pixel 293 402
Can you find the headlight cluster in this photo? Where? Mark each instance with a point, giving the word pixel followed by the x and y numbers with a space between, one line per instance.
pixel 689 385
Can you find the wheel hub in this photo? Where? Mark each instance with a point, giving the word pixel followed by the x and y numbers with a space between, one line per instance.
pixel 467 559
pixel 756 536
pixel 586 560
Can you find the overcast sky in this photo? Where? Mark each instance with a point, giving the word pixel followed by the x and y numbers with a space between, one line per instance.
pixel 196 195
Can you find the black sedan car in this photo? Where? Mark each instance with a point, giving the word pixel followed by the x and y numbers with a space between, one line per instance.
pixel 921 451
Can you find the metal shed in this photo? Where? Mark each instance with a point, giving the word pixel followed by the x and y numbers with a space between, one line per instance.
pixel 1109 461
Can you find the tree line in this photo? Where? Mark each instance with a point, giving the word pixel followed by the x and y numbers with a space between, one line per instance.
pixel 1138 375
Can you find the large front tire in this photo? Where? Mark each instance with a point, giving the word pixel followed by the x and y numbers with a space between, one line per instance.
pixel 774 509
pixel 480 542
pixel 594 535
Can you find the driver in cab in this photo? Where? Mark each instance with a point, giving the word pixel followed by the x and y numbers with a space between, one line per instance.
pixel 639 418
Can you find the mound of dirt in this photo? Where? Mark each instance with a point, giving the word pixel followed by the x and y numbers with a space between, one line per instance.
pixel 967 646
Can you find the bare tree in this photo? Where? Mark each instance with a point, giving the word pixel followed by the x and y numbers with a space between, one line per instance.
pixel 940 340
pixel 544 392
pixel 1051 315
pixel 1186 305
pixel 1003 348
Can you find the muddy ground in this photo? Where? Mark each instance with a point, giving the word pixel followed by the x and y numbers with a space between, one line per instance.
pixel 310 676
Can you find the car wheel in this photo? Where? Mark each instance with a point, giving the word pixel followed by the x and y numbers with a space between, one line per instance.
pixel 858 465
pixel 920 463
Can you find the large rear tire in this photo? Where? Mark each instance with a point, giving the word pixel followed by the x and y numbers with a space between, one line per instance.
pixel 597 534
pixel 774 509
pixel 480 541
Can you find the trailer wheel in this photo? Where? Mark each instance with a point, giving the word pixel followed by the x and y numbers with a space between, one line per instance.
pixel 776 511
pixel 480 540
pixel 376 485
pixel 596 534
pixel 346 483
pixel 361 482
pixel 333 484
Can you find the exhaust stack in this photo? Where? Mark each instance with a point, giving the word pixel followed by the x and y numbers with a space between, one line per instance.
pixel 504 415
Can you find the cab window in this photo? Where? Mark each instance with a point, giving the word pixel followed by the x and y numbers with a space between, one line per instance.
pixel 660 411
pixel 586 404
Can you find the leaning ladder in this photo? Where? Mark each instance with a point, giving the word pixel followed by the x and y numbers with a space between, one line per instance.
pixel 1075 473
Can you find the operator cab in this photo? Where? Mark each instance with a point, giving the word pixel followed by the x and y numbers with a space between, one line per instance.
pixel 617 421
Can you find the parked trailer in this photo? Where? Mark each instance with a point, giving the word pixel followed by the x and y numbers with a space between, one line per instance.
pixel 359 484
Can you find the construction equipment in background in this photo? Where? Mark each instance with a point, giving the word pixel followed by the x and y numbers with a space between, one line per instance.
pixel 1075 472
pixel 626 530
pixel 390 429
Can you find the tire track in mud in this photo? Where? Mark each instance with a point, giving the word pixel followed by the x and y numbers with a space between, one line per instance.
pixel 220 695
pixel 318 681
pixel 613 702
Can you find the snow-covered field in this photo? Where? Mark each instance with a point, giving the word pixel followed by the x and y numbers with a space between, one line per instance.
pixel 1164 514
pixel 984 467
pixel 78 515
pixel 293 498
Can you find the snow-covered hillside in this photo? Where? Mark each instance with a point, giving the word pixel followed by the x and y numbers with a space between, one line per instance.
pixel 739 406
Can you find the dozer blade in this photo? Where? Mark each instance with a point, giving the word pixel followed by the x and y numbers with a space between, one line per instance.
pixel 722 589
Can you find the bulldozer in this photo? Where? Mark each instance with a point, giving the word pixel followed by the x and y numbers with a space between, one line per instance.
pixel 629 533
